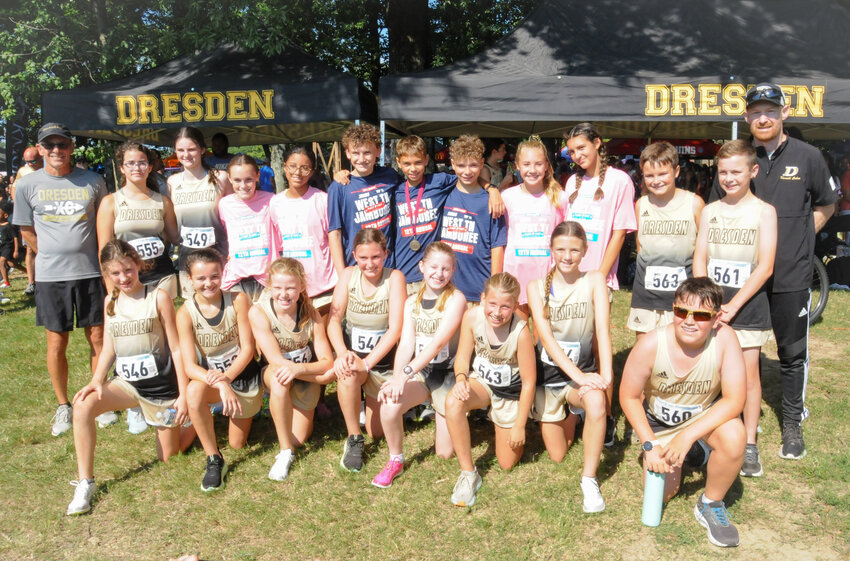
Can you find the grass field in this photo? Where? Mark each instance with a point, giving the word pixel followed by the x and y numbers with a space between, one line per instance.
pixel 145 509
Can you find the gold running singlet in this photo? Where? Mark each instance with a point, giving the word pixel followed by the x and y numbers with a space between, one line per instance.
pixel 196 207
pixel 141 223
pixel 142 357
pixel 571 316
pixel 498 368
pixel 367 319
pixel 673 401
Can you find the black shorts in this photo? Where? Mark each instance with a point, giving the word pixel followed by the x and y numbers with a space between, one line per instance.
pixel 7 251
pixel 56 302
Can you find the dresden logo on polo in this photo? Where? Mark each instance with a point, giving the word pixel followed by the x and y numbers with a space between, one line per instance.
pixel 791 173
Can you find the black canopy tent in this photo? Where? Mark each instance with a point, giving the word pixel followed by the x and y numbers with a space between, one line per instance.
pixel 642 68
pixel 253 98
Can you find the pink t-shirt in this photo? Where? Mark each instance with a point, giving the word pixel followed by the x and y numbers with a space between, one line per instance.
pixel 252 241
pixel 302 226
pixel 530 220
pixel 615 211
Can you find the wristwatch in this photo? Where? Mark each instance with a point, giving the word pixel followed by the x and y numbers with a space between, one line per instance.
pixel 407 371
pixel 650 444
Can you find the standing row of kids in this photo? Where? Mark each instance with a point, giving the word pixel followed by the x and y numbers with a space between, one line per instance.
pixel 301 260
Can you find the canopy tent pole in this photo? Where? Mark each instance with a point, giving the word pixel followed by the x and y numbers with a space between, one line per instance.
pixel 734 130
pixel 383 140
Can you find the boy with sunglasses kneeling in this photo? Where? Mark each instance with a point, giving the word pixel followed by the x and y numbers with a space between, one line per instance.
pixel 684 382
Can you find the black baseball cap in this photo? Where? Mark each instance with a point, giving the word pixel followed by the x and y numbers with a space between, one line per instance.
pixel 766 92
pixel 53 129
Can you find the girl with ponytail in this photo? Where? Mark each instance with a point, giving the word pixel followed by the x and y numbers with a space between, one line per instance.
pixel 533 209
pixel 601 199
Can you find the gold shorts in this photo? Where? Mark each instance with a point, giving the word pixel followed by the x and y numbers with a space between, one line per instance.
pixel 550 403
pixel 251 287
pixel 150 407
pixel 304 395
pixel 503 412
pixel 322 299
pixel 186 288
pixel 167 284
pixel 644 321
pixel 374 380
pixel 413 287
pixel 749 338
pixel 250 401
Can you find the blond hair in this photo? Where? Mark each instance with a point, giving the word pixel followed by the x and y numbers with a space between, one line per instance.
pixel 411 146
pixel 569 229
pixel 358 135
pixel 293 267
pixel 503 282
pixel 553 188
pixel 738 147
pixel 436 247
pixel 115 250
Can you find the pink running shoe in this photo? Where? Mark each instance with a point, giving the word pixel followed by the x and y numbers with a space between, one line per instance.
pixel 391 470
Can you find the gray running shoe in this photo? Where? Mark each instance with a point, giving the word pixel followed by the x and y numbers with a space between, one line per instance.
pixel 752 465
pixel 62 420
pixel 715 518
pixel 793 447
pixel 427 412
pixel 82 497
pixel 136 423
pixel 465 489
pixel 352 453
pixel 106 419
pixel 30 289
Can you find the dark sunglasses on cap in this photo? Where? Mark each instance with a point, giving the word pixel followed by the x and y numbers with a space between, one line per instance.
pixel 51 145
pixel 766 92
pixel 699 315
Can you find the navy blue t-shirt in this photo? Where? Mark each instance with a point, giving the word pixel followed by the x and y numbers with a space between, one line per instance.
pixel 471 232
pixel 366 202
pixel 426 228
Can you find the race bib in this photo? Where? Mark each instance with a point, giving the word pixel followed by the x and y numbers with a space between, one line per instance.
pixel 222 362
pixel 148 248
pixel 673 413
pixel 299 356
pixel 571 348
pixel 442 356
pixel 296 245
pixel 364 340
pixel 136 367
pixel 666 279
pixel 729 273
pixel 197 238
pixel 496 375
pixel 588 213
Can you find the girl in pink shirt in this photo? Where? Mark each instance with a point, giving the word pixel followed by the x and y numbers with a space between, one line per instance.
pixel 533 209
pixel 601 199
pixel 300 215
pixel 251 236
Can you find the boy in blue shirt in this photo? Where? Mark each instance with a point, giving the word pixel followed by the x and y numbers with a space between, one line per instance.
pixel 477 238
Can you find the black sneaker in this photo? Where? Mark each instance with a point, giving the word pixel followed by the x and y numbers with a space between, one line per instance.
pixel 715 518
pixel 352 454
pixel 752 465
pixel 214 475
pixel 793 447
pixel 610 431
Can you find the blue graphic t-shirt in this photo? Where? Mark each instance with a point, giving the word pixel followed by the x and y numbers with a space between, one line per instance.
pixel 366 202
pixel 426 228
pixel 472 233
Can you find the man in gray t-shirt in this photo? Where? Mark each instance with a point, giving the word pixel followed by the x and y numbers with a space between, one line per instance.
pixel 56 209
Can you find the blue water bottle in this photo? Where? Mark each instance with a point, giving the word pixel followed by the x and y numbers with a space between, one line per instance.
pixel 653 498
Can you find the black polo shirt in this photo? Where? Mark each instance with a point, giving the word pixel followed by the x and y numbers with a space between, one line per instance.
pixel 794 180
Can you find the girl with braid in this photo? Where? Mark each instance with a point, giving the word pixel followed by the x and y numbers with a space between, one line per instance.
pixel 570 307
pixel 140 339
pixel 601 199
pixel 533 209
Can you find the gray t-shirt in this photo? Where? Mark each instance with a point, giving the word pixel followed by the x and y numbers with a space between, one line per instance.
pixel 63 211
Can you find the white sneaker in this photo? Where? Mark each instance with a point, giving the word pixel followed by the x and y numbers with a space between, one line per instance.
pixel 593 501
pixel 82 497
pixel 136 423
pixel 282 462
pixel 106 419
pixel 62 420
pixel 466 488
pixel 362 413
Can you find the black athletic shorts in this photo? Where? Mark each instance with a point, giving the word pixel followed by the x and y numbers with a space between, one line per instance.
pixel 56 302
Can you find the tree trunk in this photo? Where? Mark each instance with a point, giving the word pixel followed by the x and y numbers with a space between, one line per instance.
pixel 408 29
pixel 99 7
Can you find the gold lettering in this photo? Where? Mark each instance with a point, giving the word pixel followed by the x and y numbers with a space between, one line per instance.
pixel 148 109
pixel 708 99
pixel 193 111
pixel 236 105
pixel 682 99
pixel 170 107
pixel 734 102
pixel 657 100
pixel 257 105
pixel 810 102
pixel 126 106
pixel 214 105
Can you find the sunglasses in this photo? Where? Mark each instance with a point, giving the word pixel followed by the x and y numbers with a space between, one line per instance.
pixel 699 315
pixel 60 145
pixel 765 93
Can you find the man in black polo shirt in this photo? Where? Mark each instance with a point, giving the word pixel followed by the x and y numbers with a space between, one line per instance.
pixel 795 180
